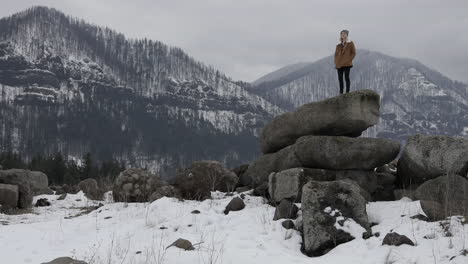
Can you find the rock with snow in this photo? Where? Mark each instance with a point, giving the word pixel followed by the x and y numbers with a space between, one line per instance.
pixel 65 260
pixel 90 188
pixel 182 244
pixel 18 178
pixel 450 191
pixel 426 157
pixel 201 177
pixel 345 115
pixel 135 185
pixel 8 196
pixel 38 181
pixel 326 205
pixel 326 152
pixel 42 202
pixel 285 210
pixel 236 204
pixel 395 239
pixel 288 184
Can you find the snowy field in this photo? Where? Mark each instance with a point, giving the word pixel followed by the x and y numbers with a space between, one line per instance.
pixel 140 233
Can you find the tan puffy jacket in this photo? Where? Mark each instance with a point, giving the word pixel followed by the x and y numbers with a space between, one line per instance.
pixel 344 54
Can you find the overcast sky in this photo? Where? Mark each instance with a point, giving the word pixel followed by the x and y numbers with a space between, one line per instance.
pixel 249 38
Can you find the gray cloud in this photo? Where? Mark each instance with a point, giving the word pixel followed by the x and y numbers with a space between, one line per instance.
pixel 249 38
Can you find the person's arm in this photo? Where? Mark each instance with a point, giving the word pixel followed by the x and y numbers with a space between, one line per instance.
pixel 353 50
pixel 336 54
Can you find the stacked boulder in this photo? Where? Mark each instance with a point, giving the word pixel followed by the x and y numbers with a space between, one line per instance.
pixel 434 170
pixel 319 141
pixel 314 155
pixel 18 186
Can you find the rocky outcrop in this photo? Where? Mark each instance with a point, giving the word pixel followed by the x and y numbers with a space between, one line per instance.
pixel 136 185
pixel 346 115
pixel 426 157
pixel 326 152
pixel 38 181
pixel 447 196
pixel 322 204
pixel 288 184
pixel 203 177
pixel 8 196
pixel 20 179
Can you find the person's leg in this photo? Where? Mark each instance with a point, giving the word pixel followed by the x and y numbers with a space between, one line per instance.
pixel 340 78
pixel 348 82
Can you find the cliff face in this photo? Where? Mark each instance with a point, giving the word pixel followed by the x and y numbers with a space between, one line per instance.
pixel 73 87
pixel 415 98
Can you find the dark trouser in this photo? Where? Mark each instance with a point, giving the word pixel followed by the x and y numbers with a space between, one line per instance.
pixel 345 71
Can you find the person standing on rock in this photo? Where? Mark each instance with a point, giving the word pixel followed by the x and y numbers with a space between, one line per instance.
pixel 344 55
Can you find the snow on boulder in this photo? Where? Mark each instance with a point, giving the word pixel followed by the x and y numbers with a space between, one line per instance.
pixel 426 157
pixel 345 115
pixel 332 213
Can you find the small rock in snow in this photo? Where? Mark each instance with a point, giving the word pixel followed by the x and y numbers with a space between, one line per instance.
pixel 395 239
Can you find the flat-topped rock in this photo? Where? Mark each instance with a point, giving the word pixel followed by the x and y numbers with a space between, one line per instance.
pixel 326 152
pixel 345 115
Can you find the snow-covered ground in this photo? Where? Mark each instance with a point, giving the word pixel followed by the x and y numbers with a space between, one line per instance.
pixel 141 232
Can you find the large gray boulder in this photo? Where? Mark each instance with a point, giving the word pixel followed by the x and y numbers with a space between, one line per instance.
pixel 203 177
pixel 325 152
pixel 345 115
pixel 136 185
pixel 9 196
pixel 322 204
pixel 38 181
pixel 426 157
pixel 90 188
pixel 448 194
pixel 18 178
pixel 288 184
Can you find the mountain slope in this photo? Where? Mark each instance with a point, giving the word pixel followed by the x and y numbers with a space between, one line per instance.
pixel 70 86
pixel 415 98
